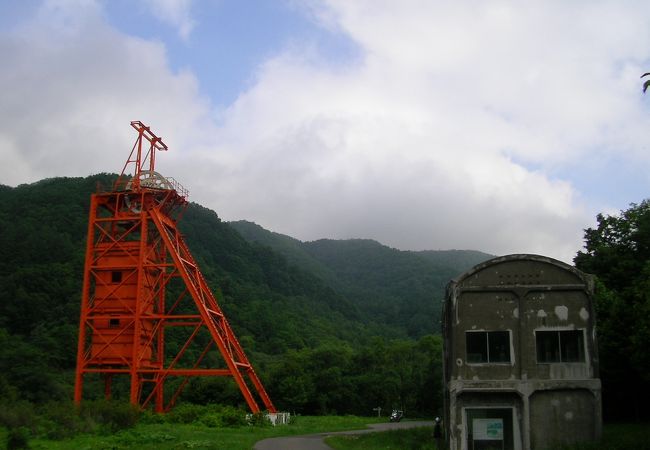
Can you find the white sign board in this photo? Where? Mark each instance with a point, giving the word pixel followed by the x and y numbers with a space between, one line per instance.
pixel 487 429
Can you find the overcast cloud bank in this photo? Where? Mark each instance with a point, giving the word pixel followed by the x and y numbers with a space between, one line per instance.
pixel 456 128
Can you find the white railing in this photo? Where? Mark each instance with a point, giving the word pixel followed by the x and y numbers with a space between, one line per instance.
pixel 178 188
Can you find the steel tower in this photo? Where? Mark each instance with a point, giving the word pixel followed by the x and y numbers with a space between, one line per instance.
pixel 141 285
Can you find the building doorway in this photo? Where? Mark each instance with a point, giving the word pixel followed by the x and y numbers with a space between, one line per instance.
pixel 489 428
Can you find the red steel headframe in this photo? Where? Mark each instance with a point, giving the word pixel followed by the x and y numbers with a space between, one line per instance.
pixel 141 280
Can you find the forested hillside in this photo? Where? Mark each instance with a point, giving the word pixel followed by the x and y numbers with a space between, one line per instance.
pixel 397 288
pixel 315 348
pixel 331 326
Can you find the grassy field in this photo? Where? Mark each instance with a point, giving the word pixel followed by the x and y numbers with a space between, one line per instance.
pixel 615 437
pixel 619 437
pixel 410 439
pixel 172 436
pixel 180 436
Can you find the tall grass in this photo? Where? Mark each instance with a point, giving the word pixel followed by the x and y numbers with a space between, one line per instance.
pixel 106 425
pixel 615 437
pixel 170 432
pixel 409 439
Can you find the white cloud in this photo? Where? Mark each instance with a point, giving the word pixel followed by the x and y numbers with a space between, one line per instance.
pixel 423 144
pixel 176 13
pixel 73 86
pixel 445 134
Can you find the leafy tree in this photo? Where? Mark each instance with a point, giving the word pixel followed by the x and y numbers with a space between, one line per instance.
pixel 320 345
pixel 617 251
pixel 646 83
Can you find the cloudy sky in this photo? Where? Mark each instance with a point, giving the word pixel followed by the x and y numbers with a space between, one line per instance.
pixel 501 126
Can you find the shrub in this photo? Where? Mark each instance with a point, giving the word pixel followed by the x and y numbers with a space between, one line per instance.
pixel 212 420
pixel 259 419
pixel 148 416
pixel 61 420
pixel 214 416
pixel 186 413
pixel 18 438
pixel 18 414
pixel 111 416
pixel 232 417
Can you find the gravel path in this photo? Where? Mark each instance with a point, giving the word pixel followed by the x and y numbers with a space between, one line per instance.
pixel 315 441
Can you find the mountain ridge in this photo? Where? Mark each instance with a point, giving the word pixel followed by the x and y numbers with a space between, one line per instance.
pixel 383 281
pixel 289 317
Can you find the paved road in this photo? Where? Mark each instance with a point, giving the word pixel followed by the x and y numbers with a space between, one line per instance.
pixel 315 441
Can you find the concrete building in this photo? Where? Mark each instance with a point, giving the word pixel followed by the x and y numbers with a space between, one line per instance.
pixel 520 356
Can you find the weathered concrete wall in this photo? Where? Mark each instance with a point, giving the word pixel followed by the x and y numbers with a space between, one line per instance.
pixel 545 307
pixel 562 416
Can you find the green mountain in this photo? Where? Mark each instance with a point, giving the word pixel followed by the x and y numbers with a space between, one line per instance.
pixel 457 260
pixel 331 326
pixel 271 306
pixel 401 289
pixel 326 323
pixel 289 247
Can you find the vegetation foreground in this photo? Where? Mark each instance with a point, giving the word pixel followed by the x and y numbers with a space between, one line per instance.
pixel 311 334
pixel 210 430
pixel 102 425
pixel 615 437
pixel 420 438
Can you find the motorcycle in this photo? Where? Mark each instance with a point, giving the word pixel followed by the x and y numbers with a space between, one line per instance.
pixel 396 415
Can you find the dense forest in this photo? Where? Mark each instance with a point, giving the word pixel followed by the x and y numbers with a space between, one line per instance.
pixel 318 341
pixel 397 288
pixel 331 326
pixel 617 251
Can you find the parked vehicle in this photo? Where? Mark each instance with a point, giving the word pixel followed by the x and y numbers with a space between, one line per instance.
pixel 396 415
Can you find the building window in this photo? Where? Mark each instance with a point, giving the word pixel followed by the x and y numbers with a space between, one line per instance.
pixel 487 347
pixel 560 346
pixel 113 323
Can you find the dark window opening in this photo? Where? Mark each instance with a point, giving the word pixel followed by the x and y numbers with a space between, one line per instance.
pixel 487 346
pixel 499 346
pixel 560 346
pixel 116 276
pixel 113 323
pixel 477 348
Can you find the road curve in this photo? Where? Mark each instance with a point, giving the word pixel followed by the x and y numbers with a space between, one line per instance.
pixel 315 441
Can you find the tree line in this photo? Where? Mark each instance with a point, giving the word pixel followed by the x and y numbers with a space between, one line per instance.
pixel 294 326
pixel 617 251
pixel 318 348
